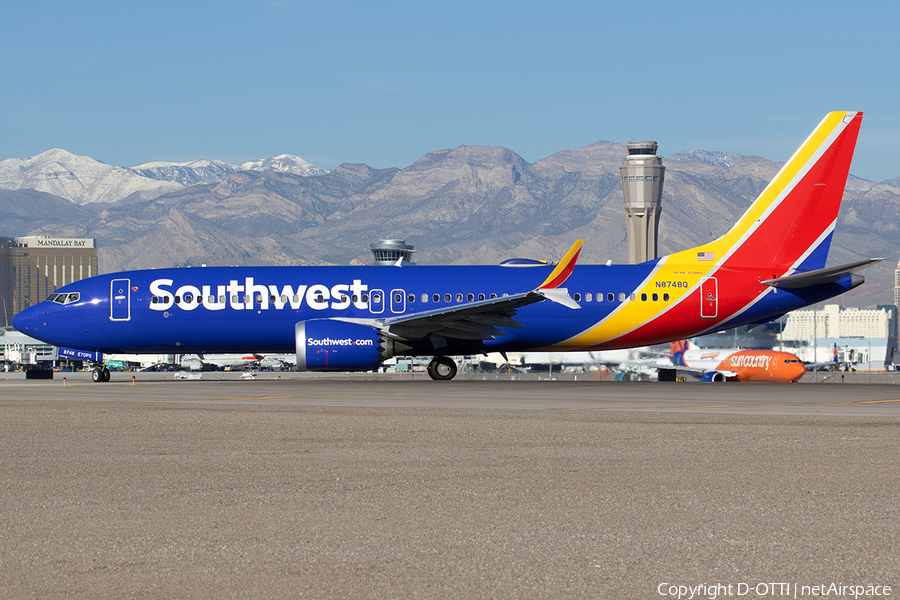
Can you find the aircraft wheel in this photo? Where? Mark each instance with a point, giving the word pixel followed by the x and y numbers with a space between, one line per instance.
pixel 97 375
pixel 442 368
pixel 105 374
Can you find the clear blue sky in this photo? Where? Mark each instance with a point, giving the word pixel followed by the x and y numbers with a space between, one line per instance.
pixel 383 83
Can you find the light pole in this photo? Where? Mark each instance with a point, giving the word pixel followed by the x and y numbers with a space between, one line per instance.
pixel 815 342
pixel 869 360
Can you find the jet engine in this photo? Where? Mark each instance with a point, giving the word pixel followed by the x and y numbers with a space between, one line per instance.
pixel 332 345
pixel 714 376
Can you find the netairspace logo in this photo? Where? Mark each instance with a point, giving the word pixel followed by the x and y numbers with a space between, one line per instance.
pixel 771 590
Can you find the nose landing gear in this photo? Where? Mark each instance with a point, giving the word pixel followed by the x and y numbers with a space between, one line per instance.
pixel 442 368
pixel 100 374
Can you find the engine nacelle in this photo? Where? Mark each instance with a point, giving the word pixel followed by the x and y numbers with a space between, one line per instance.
pixel 713 376
pixel 331 345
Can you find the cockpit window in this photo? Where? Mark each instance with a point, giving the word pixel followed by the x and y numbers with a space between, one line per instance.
pixel 64 298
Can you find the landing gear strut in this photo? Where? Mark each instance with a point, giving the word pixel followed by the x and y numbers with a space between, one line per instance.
pixel 100 374
pixel 442 368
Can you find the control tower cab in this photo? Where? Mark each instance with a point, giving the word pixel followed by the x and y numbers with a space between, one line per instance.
pixel 389 251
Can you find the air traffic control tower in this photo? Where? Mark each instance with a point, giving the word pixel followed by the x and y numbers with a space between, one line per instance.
pixel 642 182
pixel 389 251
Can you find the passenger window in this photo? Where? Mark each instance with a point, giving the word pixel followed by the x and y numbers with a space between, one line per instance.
pixel 365 298
pixel 621 296
pixel 655 297
pixel 632 297
pixel 493 296
pixel 398 298
pixel 588 297
pixel 459 297
pixel 436 297
pixel 424 297
pixel 284 299
pixel 480 297
pixel 235 299
pixel 611 297
pixel 447 297
pixel 411 298
pixel 577 297
pixel 177 299
pixel 666 297
pixel 643 297
pixel 470 298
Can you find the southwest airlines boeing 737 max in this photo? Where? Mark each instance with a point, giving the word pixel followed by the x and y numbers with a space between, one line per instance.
pixel 352 318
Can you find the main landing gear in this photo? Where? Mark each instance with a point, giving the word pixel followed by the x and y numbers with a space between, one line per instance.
pixel 100 374
pixel 442 368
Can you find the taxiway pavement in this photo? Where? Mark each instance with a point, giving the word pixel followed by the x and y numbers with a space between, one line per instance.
pixel 356 487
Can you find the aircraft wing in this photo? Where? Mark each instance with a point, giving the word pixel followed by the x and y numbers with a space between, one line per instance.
pixel 472 321
pixel 478 320
pixel 700 371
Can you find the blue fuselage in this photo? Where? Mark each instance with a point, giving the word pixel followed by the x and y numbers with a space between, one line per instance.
pixel 238 309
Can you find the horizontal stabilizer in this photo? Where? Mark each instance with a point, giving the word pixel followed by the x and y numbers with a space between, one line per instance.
pixel 819 276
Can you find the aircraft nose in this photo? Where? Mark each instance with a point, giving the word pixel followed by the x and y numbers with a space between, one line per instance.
pixel 26 321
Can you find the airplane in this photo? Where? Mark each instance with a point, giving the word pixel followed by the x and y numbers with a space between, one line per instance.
pixel 735 364
pixel 212 362
pixel 629 361
pixel 351 318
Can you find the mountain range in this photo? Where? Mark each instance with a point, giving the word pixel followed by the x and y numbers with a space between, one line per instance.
pixel 468 205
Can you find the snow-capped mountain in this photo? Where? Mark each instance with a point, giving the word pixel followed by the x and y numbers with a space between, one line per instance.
pixel 83 180
pixel 716 159
pixel 284 163
pixel 187 173
pixel 80 179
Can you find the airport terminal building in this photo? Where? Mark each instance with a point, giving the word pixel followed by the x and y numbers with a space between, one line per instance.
pixel 32 267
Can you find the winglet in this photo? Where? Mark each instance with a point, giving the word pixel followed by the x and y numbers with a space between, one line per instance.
pixel 563 269
pixel 560 296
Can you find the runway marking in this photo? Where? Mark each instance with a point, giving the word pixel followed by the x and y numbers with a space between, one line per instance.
pixel 731 405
